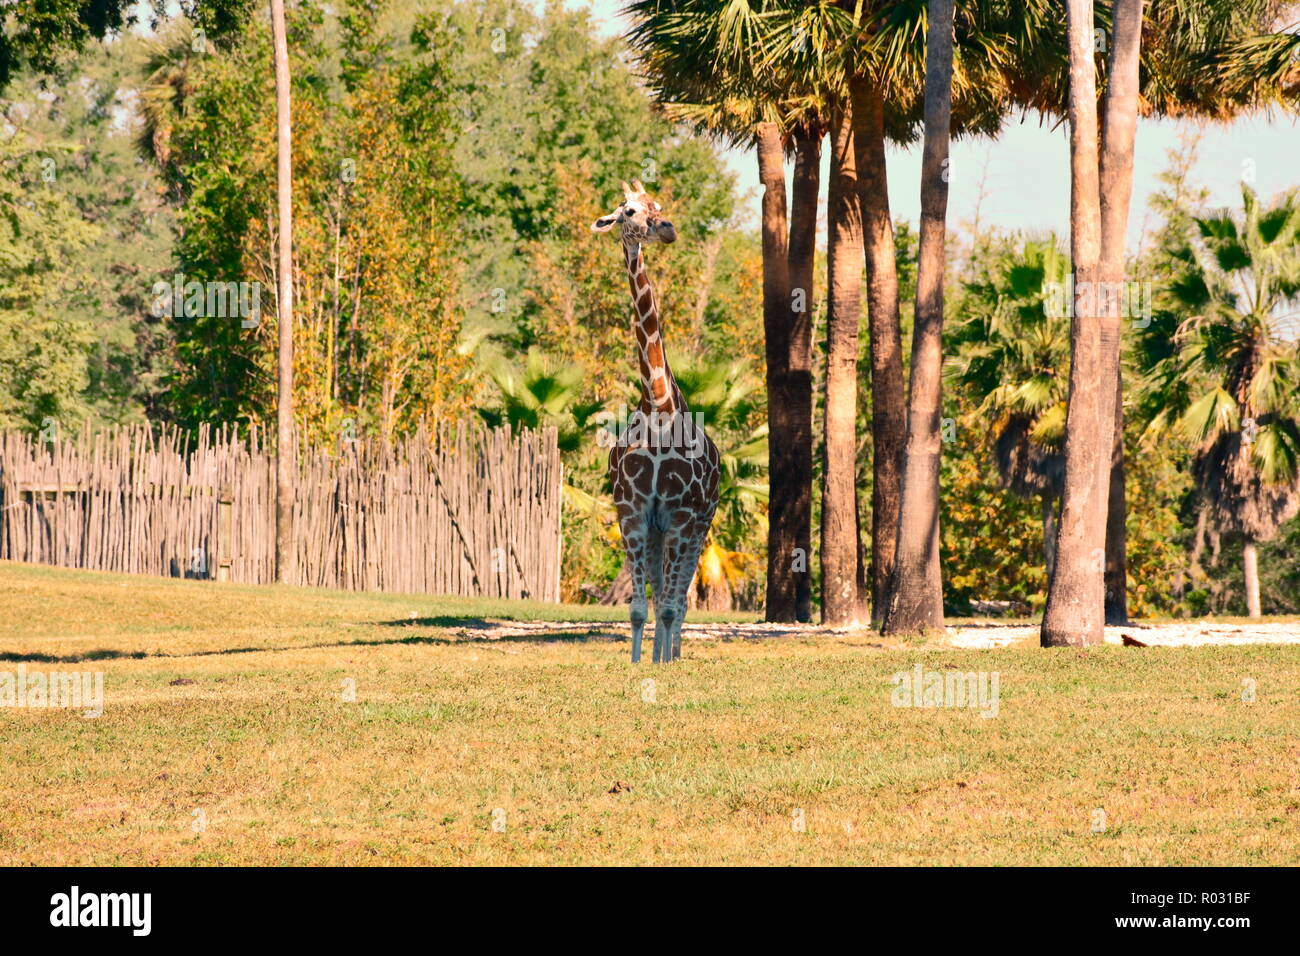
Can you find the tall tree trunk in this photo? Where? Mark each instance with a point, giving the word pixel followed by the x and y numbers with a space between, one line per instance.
pixel 1250 564
pixel 1119 131
pixel 916 589
pixel 799 382
pixel 1116 606
pixel 1193 572
pixel 888 398
pixel 1101 187
pixel 285 457
pixel 1074 614
pixel 839 526
pixel 782 539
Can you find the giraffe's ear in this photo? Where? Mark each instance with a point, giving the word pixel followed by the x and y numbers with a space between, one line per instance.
pixel 604 223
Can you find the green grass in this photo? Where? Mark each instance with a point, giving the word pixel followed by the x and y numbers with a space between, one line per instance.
pixel 447 728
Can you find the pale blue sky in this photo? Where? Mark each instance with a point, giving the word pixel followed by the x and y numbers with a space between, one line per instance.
pixel 1027 185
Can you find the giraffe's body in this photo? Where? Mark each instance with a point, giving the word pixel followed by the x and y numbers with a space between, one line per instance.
pixel 664 468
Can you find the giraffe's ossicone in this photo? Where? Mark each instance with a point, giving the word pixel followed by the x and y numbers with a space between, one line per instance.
pixel 663 467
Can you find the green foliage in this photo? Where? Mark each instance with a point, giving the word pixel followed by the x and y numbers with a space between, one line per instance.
pixel 1014 343
pixel 374 193
pixel 1008 382
pixel 1228 383
pixel 40 33
pixel 729 401
pixel 544 393
pixel 1279 574
pixel 44 347
pixel 217 376
pixel 44 34
pixel 536 98
pixel 991 540
pixel 88 154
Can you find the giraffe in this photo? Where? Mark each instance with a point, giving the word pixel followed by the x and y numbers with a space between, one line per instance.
pixel 663 467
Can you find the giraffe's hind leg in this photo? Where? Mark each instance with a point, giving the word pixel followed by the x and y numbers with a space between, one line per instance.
pixel 635 531
pixel 681 556
pixel 654 569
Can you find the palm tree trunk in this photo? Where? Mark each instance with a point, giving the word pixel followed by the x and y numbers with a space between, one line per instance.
pixel 888 399
pixel 782 540
pixel 1250 564
pixel 285 457
pixel 1074 614
pixel 1119 131
pixel 916 590
pixel 1116 600
pixel 1194 573
pixel 839 526
pixel 799 382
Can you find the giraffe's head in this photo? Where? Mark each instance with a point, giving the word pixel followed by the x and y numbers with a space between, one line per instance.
pixel 639 216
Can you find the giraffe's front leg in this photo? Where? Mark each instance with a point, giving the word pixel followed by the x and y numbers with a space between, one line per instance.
pixel 638 612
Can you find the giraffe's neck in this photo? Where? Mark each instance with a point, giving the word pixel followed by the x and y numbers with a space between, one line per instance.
pixel 659 391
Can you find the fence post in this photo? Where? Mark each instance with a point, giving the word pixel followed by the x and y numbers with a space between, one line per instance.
pixel 225 534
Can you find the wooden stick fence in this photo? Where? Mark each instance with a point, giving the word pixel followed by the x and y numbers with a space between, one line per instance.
pixel 463 510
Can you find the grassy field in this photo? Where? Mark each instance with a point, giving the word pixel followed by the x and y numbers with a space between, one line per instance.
pixel 226 738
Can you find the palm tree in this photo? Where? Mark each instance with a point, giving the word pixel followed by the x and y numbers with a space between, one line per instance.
pixel 1014 347
pixel 810 40
pixel 916 590
pixel 796 65
pixel 840 550
pixel 1214 59
pixel 543 393
pixel 1231 385
pixel 1005 52
pixel 169 76
pixel 1075 613
pixel 853 56
pixel 1219 60
pixel 888 422
pixel 1119 130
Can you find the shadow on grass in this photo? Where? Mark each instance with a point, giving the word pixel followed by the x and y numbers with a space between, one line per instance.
pixel 466 622
pixel 101 654
pixel 539 636
pixel 489 631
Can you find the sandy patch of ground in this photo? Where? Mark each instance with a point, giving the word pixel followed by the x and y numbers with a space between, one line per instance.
pixel 1163 634
pixel 992 634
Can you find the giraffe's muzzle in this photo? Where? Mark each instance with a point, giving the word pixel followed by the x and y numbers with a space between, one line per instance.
pixel 664 230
